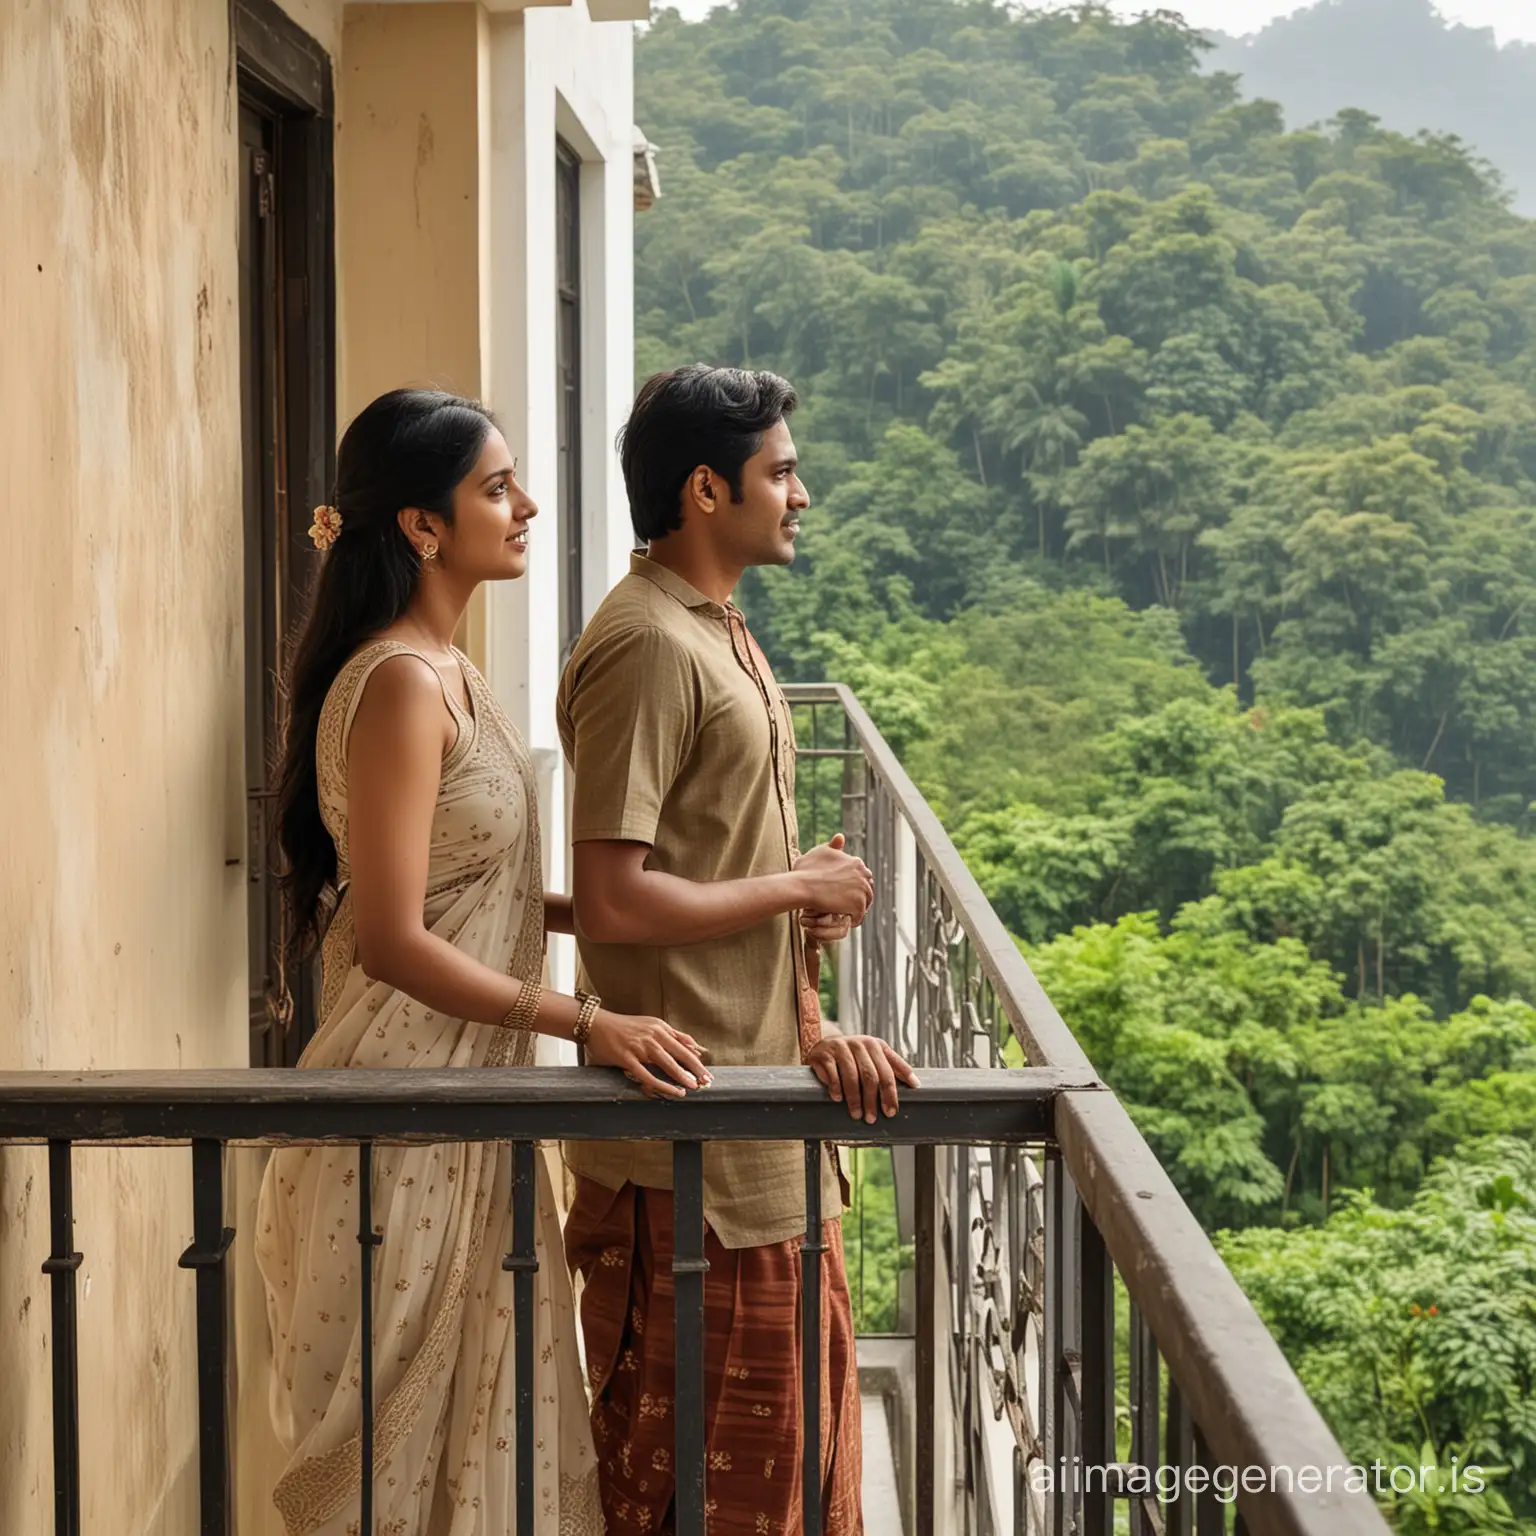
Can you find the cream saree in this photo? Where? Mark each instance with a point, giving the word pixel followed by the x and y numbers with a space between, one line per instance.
pixel 442 1329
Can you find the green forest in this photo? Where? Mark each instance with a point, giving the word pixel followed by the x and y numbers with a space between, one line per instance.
pixel 1174 483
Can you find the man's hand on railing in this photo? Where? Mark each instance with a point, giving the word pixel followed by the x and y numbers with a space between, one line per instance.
pixel 826 927
pixel 836 882
pixel 862 1072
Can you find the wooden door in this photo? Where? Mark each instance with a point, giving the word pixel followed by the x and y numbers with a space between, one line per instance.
pixel 287 432
pixel 265 493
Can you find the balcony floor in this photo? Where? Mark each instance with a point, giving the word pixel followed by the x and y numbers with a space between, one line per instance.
pixel 886 1381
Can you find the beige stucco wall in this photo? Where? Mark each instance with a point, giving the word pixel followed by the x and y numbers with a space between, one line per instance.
pixel 122 909
pixel 411 188
pixel 408 198
pixel 121 919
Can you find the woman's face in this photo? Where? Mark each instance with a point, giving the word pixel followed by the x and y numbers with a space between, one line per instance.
pixel 488 540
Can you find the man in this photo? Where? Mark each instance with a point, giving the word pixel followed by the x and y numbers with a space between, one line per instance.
pixel 694 903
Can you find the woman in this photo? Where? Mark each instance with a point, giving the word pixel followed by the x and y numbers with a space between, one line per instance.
pixel 407 793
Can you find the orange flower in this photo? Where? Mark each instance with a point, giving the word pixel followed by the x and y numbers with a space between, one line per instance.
pixel 325 527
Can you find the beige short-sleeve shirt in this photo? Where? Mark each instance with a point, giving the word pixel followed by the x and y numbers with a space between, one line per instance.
pixel 678 737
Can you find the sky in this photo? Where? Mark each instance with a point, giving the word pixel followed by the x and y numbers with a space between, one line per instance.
pixel 1512 20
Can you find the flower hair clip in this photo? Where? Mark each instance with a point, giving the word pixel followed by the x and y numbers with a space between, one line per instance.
pixel 326 527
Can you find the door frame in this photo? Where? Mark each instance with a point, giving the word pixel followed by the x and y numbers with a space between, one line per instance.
pixel 570 292
pixel 285 71
pixel 286 76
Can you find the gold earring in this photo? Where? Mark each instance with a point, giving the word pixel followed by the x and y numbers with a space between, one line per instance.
pixel 428 552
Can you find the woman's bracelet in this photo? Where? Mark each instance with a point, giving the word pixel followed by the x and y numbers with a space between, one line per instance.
pixel 584 1016
pixel 523 1012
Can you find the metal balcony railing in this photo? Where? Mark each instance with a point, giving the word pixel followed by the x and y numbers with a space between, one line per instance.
pixel 1031 1200
pixel 1020 1249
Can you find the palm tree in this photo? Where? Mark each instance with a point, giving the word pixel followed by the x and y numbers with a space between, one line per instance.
pixel 1047 433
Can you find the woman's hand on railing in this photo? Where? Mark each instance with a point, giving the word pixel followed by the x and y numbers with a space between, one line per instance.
pixel 836 882
pixel 663 1061
pixel 862 1072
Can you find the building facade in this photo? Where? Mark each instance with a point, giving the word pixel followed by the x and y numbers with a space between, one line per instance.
pixel 228 227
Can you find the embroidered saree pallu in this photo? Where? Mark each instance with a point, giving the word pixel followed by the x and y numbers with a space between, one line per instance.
pixel 442 1327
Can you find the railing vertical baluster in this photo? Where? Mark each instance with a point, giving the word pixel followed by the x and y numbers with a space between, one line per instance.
pixel 854 813
pixel 1210 1514
pixel 523 1262
pixel 367 1241
pixel 60 1266
pixel 1020 1492
pixel 891 1001
pixel 1025 1280
pixel 958 1341
pixel 815 836
pixel 926 1203
pixel 1152 1394
pixel 1134 1389
pixel 867 949
pixel 853 822
pixel 1098 1391
pixel 925 1255
pixel 206 1255
pixel 1146 1449
pixel 1178 1515
pixel 856 1157
pixel 927 1028
pixel 811 1251
pixel 1053 1384
pixel 963 1161
pixel 898 984
pixel 689 1267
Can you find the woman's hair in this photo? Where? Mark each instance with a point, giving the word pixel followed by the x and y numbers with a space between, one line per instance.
pixel 688 417
pixel 409 448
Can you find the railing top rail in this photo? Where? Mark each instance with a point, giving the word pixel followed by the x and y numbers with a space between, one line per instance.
pixel 507 1104
pixel 1044 1036
pixel 1248 1401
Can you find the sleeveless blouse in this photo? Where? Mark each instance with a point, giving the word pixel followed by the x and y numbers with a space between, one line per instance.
pixel 485 823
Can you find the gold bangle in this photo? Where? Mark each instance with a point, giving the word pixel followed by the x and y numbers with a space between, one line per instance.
pixel 522 1013
pixel 584 1016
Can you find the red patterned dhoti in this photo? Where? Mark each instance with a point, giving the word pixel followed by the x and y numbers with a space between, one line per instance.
pixel 621 1243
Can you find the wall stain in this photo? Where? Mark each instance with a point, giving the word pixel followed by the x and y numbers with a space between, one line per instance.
pixel 426 148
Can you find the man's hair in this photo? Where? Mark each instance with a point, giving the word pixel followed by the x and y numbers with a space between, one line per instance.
pixel 692 416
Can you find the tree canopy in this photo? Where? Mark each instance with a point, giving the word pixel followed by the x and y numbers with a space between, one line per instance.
pixel 1174 479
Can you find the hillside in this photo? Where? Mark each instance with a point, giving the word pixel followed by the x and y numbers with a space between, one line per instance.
pixel 1397 60
pixel 1175 516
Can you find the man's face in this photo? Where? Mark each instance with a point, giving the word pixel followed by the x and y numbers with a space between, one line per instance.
pixel 760 529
